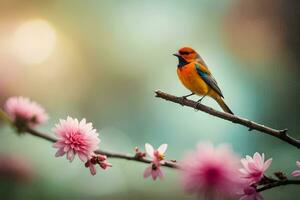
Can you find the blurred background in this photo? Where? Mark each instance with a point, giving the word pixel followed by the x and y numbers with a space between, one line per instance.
pixel 103 60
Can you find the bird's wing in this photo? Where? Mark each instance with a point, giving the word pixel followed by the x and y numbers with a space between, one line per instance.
pixel 208 78
pixel 202 64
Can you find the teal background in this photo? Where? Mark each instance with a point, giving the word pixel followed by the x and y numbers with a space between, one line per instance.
pixel 110 57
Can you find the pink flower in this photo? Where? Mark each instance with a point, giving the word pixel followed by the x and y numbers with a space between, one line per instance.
pixel 212 172
pixel 158 159
pixel 153 170
pixel 296 172
pixel 251 194
pixel 97 159
pixel 138 153
pixel 76 138
pixel 91 166
pixel 158 154
pixel 25 112
pixel 254 168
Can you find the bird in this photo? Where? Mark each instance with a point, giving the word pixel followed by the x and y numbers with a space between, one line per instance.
pixel 195 76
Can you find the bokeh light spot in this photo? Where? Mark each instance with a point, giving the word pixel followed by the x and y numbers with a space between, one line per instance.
pixel 34 41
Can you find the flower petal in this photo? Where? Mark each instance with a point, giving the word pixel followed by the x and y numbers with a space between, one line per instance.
pixel 70 155
pixel 58 144
pixel 67 148
pixel 92 169
pixel 243 171
pixel 60 152
pixel 252 166
pixel 257 157
pixel 149 150
pixel 249 158
pixel 296 173
pixel 298 163
pixel 162 149
pixel 267 164
pixel 82 157
pixel 155 174
pixel 148 171
pixel 160 174
pixel 245 164
pixel 258 160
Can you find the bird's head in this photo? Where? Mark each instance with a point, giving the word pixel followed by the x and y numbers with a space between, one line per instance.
pixel 186 55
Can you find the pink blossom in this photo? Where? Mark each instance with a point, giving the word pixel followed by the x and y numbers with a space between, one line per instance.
pixel 157 159
pixel 157 155
pixel 138 153
pixel 251 194
pixel 91 166
pixel 97 159
pixel 25 112
pixel 153 170
pixel 76 138
pixel 296 172
pixel 212 171
pixel 102 161
pixel 254 168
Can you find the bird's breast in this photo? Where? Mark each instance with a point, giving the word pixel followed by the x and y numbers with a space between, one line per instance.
pixel 191 79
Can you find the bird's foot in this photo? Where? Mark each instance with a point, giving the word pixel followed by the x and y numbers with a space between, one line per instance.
pixel 196 108
pixel 186 96
pixel 199 101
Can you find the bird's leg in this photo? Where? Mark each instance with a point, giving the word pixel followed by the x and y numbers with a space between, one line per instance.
pixel 185 96
pixel 199 101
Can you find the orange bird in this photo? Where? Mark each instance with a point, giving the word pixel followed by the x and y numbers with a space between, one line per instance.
pixel 195 76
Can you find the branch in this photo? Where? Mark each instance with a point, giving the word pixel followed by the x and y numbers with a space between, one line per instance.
pixel 277 184
pixel 169 164
pixel 36 133
pixel 166 164
pixel 280 134
pixel 108 154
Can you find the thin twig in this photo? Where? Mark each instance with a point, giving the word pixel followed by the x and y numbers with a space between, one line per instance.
pixel 170 164
pixel 280 134
pixel 107 153
pixel 36 133
pixel 166 164
pixel 277 184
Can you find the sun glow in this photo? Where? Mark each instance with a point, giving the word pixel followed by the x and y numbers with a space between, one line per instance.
pixel 34 41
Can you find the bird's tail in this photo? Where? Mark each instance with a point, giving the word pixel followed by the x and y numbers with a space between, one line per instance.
pixel 223 105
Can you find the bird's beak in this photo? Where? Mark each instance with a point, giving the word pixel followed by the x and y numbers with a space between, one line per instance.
pixel 177 55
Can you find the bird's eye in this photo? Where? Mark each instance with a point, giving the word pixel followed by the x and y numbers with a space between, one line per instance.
pixel 185 53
